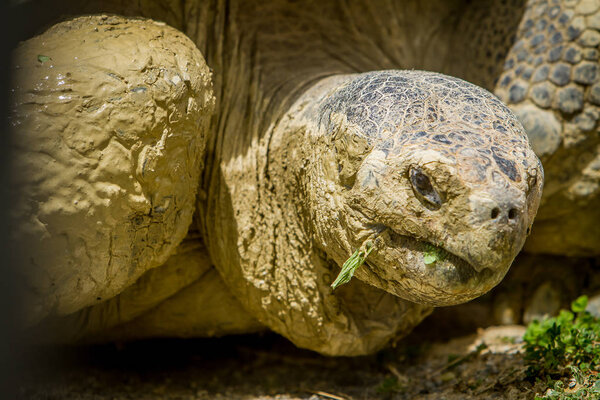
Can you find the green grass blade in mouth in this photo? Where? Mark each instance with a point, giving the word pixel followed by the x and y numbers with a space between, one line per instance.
pixel 433 254
pixel 356 260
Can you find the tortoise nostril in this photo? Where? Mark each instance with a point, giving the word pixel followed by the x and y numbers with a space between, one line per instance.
pixel 495 212
pixel 512 213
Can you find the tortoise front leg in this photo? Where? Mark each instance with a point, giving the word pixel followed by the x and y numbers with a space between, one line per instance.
pixel 110 119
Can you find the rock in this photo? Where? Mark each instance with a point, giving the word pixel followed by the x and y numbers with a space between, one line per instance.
pixel 507 308
pixel 545 302
pixel 593 306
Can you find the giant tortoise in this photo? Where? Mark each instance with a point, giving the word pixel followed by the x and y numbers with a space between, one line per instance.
pixel 281 137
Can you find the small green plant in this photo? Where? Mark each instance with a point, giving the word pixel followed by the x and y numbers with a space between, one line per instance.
pixel 356 260
pixel 565 350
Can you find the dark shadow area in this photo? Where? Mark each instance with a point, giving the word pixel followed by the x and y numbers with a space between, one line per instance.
pixel 248 365
pixel 12 28
pixel 268 366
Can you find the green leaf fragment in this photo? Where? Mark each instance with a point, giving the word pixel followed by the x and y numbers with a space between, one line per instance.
pixel 356 260
pixel 433 254
pixel 429 258
pixel 42 58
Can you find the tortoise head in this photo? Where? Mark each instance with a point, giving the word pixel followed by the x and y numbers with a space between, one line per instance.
pixel 439 170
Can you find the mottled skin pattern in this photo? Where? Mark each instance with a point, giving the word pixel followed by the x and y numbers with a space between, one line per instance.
pixel 304 161
pixel 551 79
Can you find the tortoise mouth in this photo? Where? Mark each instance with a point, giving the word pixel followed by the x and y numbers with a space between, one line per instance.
pixel 422 272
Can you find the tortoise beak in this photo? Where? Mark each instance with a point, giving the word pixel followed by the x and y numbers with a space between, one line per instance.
pixel 403 266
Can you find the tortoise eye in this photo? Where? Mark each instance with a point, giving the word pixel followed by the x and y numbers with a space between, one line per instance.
pixel 424 190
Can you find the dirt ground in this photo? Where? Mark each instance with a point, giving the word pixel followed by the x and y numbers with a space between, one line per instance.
pixel 456 353
pixel 482 365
